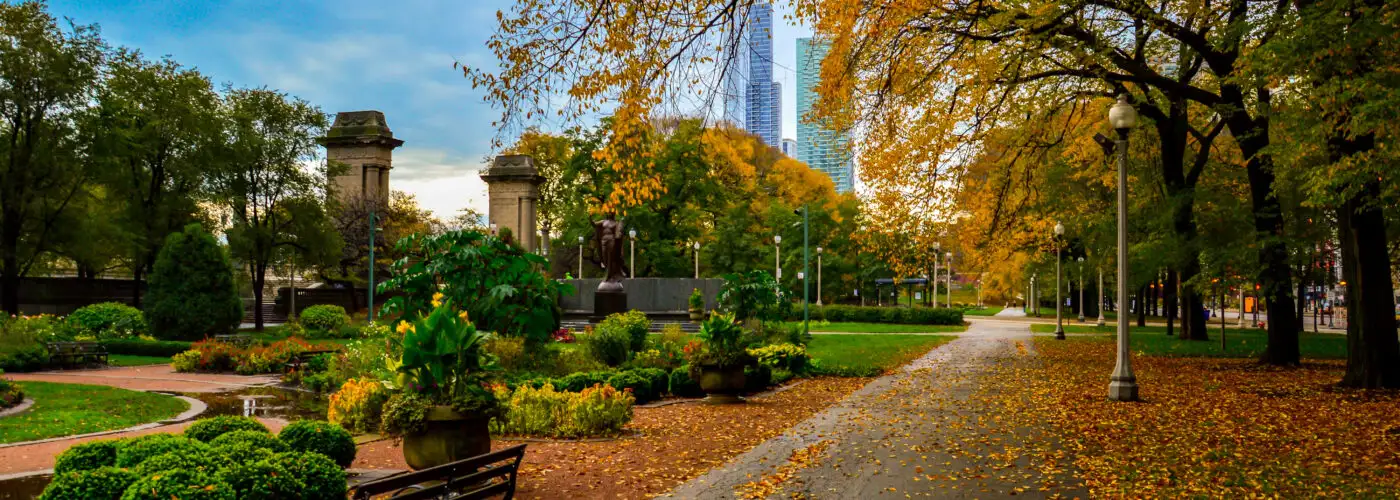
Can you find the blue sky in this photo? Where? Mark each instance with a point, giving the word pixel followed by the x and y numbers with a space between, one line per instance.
pixel 343 55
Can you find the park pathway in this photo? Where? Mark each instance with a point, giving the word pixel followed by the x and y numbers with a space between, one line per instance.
pixel 920 432
pixel 149 378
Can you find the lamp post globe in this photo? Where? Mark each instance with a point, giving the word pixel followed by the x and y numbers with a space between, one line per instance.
pixel 819 276
pixel 1081 289
pixel 580 257
pixel 696 246
pixel 778 256
pixel 632 251
pixel 1059 301
pixel 1122 385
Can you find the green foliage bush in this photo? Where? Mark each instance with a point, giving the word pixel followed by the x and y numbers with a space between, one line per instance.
pixel 256 438
pixel 632 324
pixel 324 479
pixel 208 429
pixel 684 386
pixel 509 351
pixel 753 295
pixel 323 320
pixel 10 393
pixel 325 438
pixel 262 480
pixel 87 456
pixel 610 346
pixel 190 292
pixel 658 378
pixel 103 483
pixel 757 378
pixel 201 460
pixel 107 320
pixel 789 357
pixel 899 315
pixel 576 382
pixel 136 450
pixel 243 452
pixel 635 383
pixel 596 411
pixel 139 347
pixel 180 484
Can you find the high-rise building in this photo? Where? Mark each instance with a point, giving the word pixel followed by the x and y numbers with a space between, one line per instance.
pixel 752 99
pixel 789 148
pixel 821 148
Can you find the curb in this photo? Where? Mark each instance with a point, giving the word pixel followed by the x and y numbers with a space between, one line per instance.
pixel 196 408
pixel 23 405
pixel 21 475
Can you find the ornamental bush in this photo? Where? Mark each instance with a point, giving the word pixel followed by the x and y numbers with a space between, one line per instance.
pixel 186 362
pixel 634 324
pixel 190 292
pixel 262 480
pixel 107 320
pixel 133 451
pixel 633 382
pixel 103 483
pixel 596 411
pixel 256 438
pixel 324 479
pixel 576 382
pixel 610 345
pixel 684 386
pixel 87 456
pixel 902 315
pixel 243 452
pixel 657 377
pixel 10 393
pixel 358 405
pixel 181 484
pixel 325 438
pixel 790 357
pixel 323 320
pixel 208 429
pixel 201 460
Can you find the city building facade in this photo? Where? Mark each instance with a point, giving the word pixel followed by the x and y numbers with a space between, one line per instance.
pixel 825 150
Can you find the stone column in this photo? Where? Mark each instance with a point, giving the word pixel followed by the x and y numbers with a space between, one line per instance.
pixel 513 188
pixel 361 143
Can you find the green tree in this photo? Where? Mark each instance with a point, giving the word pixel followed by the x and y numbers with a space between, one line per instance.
pixel 47 75
pixel 191 292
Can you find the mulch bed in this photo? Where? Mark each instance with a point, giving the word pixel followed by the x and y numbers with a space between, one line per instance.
pixel 668 445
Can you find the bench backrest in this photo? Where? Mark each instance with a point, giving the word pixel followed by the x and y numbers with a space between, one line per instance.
pixel 478 477
pixel 75 347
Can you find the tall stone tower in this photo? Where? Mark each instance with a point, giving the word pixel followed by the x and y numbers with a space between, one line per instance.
pixel 513 188
pixel 361 141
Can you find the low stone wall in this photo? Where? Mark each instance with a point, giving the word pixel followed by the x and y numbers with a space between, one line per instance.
pixel 649 295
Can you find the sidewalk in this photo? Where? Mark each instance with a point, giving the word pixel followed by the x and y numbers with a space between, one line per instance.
pixel 149 378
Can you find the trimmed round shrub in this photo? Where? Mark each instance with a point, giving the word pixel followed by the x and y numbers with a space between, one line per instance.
pixel 258 439
pixel 325 438
pixel 658 378
pixel 107 320
pixel 324 320
pixel 137 450
pixel 639 386
pixel 576 382
pixel 323 478
pixel 102 483
pixel 181 484
pixel 684 386
pixel 192 274
pixel 263 480
pixel 243 452
pixel 201 460
pixel 208 429
pixel 87 456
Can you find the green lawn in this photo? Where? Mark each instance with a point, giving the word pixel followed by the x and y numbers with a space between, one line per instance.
pixel 868 355
pixel 986 311
pixel 1239 343
pixel 68 409
pixel 134 360
pixel 852 327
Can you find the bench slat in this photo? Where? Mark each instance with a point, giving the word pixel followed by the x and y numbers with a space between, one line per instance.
pixel 466 472
pixel 439 490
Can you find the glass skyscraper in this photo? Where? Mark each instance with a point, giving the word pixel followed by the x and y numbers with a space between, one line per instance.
pixel 751 97
pixel 822 149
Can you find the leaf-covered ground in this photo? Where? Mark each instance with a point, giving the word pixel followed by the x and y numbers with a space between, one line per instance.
pixel 1207 427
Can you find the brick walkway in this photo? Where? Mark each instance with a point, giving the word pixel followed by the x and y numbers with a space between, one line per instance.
pixel 148 378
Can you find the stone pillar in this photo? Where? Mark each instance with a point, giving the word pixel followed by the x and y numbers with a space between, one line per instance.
pixel 513 188
pixel 362 144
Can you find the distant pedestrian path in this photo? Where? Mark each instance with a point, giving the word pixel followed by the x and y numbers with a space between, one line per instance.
pixel 1012 312
pixel 149 378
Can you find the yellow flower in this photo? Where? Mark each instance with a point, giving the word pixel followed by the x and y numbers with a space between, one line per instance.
pixel 437 299
pixel 463 315
pixel 404 327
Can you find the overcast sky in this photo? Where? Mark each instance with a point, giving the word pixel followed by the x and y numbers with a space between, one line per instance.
pixel 347 55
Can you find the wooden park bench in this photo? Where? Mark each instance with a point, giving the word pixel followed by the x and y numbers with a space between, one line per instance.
pixel 483 476
pixel 76 353
pixel 238 339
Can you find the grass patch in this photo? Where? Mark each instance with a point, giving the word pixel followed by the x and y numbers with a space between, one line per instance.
pixel 868 355
pixel 853 327
pixel 1239 342
pixel 985 311
pixel 133 360
pixel 68 409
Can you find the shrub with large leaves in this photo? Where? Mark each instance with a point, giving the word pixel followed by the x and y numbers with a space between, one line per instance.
pixel 500 286
pixel 754 294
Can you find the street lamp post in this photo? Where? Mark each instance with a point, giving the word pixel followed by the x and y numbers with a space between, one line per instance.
pixel 1035 303
pixel 1059 301
pixel 948 259
pixel 819 276
pixel 696 246
pixel 778 256
pixel 370 315
pixel 1101 318
pixel 632 248
pixel 936 248
pixel 580 257
pixel 1122 384
pixel 1081 289
pixel 806 271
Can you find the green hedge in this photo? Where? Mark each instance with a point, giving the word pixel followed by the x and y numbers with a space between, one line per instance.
pixel 898 315
pixel 138 347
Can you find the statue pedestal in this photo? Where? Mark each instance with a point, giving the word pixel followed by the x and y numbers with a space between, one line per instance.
pixel 610 299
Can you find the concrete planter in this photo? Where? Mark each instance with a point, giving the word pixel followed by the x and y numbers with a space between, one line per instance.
pixel 448 436
pixel 722 384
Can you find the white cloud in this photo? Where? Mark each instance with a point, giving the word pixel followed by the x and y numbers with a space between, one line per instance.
pixel 443 183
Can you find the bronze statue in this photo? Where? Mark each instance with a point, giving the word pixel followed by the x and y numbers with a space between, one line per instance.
pixel 608 234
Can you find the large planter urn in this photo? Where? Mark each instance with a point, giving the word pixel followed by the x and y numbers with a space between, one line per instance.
pixel 697 314
pixel 447 437
pixel 722 384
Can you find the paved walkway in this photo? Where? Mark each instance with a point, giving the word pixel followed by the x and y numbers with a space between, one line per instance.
pixel 149 378
pixel 919 432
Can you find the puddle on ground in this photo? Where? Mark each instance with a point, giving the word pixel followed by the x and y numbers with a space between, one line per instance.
pixel 270 402
pixel 24 488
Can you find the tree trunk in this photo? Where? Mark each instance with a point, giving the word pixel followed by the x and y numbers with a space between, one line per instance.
pixel 259 275
pixel 9 284
pixel 136 286
pixel 1373 351
pixel 1170 293
pixel 1302 300
pixel 1142 306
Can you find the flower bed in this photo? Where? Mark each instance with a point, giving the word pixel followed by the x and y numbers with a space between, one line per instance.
pixel 214 356
pixel 10 394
